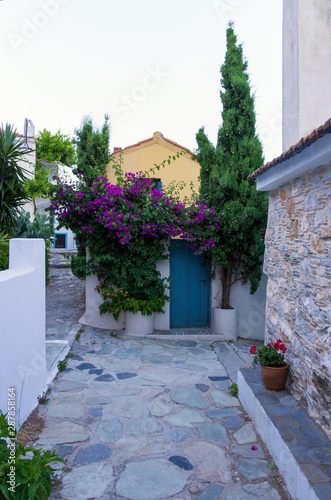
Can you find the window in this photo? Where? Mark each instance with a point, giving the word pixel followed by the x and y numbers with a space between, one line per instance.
pixel 60 240
pixel 157 184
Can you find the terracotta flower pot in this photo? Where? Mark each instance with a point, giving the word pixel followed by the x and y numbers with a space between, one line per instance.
pixel 274 378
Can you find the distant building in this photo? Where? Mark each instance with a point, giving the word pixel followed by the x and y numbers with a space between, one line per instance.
pixel 63 238
pixel 143 155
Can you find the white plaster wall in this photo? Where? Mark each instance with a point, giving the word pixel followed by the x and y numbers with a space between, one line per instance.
pixel 22 326
pixel 250 308
pixel 92 314
pixel 162 320
pixel 306 67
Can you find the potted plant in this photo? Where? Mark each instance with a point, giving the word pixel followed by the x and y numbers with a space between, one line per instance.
pixel 239 245
pixel 273 366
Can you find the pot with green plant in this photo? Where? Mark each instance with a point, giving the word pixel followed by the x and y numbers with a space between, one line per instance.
pixel 271 358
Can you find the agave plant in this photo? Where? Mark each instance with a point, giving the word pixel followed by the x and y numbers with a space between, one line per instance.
pixel 12 177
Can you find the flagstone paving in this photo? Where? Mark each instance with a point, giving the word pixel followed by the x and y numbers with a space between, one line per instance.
pixel 137 419
pixel 148 419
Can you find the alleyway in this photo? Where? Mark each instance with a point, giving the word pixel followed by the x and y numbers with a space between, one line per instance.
pixel 150 419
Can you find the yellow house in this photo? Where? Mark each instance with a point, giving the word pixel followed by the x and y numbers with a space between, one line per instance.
pixel 145 154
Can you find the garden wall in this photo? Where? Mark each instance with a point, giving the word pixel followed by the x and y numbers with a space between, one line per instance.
pixel 298 265
pixel 22 326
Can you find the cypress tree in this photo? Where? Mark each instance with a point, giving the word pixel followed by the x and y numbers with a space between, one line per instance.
pixel 224 184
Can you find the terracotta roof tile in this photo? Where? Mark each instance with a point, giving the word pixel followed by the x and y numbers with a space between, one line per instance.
pixel 304 143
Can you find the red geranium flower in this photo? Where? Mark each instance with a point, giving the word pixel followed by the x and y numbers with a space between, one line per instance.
pixel 253 349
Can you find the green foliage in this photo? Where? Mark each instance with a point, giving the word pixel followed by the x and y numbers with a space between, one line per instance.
pixel 55 148
pixel 43 399
pixel 270 354
pixel 78 262
pixel 234 390
pixel 39 185
pixel 40 227
pixel 32 475
pixel 4 251
pixel 239 243
pixel 62 365
pixel 117 300
pixel 12 177
pixel 92 150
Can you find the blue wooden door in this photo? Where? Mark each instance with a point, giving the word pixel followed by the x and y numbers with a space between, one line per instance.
pixel 190 288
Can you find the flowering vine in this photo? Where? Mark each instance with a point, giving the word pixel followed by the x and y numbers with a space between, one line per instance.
pixel 126 229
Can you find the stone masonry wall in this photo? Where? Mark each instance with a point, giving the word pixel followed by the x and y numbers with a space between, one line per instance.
pixel 298 265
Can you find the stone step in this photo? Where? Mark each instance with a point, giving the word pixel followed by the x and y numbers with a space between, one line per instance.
pixel 298 446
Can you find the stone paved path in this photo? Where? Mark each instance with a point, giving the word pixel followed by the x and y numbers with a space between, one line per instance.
pixel 152 419
pixel 64 304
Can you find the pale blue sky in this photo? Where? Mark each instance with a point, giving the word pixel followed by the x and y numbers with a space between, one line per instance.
pixel 150 65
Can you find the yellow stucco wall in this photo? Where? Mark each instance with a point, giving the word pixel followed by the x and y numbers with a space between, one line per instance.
pixel 143 156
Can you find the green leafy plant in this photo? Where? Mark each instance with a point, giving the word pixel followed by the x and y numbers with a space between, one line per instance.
pixel 234 390
pixel 25 472
pixel 12 177
pixel 39 185
pixel 225 167
pixel 42 400
pixel 270 354
pixel 55 148
pixel 62 365
pixel 116 301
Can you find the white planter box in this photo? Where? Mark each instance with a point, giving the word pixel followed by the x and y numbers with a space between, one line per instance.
pixel 224 322
pixel 138 324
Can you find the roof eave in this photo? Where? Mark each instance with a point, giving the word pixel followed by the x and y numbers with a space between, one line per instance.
pixel 316 155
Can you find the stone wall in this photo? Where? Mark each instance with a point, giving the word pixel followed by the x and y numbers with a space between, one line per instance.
pixel 298 266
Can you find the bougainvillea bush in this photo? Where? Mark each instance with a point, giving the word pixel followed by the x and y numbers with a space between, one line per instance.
pixel 126 228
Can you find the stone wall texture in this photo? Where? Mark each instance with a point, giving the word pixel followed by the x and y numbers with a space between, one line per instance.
pixel 298 265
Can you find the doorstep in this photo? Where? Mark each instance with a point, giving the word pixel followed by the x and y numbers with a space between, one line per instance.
pixel 177 334
pixel 297 444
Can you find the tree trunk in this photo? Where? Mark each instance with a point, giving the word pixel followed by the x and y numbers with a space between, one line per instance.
pixel 226 286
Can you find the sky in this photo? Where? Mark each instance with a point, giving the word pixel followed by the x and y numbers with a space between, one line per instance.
pixel 150 65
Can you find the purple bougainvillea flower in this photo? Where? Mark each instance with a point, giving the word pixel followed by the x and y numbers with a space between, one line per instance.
pixel 254 448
